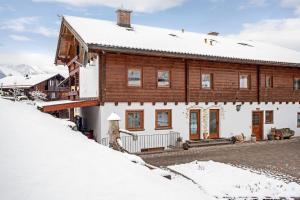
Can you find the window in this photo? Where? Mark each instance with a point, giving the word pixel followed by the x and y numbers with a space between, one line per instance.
pixel 297 83
pixel 163 119
pixel 269 81
pixel 134 77
pixel 163 78
pixel 134 120
pixel 206 81
pixel 244 81
pixel 298 120
pixel 53 96
pixel 269 117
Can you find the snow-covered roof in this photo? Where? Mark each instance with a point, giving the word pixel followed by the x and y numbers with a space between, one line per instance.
pixel 108 34
pixel 24 82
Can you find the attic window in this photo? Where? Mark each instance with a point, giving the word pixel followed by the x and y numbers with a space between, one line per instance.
pixel 245 44
pixel 173 35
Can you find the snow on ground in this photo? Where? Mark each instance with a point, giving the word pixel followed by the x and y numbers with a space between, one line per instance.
pixel 224 181
pixel 42 158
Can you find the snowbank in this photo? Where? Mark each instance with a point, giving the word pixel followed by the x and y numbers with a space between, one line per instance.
pixel 221 180
pixel 42 158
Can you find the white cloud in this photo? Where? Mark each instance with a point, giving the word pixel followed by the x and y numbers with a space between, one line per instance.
pixel 135 5
pixel 27 24
pixel 294 4
pixel 283 32
pixel 20 38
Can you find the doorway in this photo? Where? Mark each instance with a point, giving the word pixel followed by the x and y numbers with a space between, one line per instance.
pixel 258 124
pixel 194 124
pixel 214 123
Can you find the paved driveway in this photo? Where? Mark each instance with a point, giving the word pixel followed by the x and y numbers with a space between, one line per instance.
pixel 279 158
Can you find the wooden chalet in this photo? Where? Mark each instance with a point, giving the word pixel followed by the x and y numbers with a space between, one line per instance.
pixel 160 80
pixel 45 83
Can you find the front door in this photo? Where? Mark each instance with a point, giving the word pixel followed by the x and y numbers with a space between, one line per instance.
pixel 194 124
pixel 257 124
pixel 214 123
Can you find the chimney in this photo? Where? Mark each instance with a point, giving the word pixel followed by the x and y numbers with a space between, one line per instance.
pixel 123 17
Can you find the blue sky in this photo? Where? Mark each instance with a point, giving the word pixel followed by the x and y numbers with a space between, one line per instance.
pixel 29 28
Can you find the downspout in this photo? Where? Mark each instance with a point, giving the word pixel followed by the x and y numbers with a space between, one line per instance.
pixel 258 83
pixel 187 82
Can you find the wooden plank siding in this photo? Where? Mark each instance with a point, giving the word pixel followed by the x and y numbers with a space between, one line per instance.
pixel 283 86
pixel 225 86
pixel 116 79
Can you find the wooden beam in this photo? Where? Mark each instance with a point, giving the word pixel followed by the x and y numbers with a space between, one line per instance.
pixel 75 104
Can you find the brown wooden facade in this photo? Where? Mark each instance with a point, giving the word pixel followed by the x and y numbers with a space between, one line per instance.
pixel 185 76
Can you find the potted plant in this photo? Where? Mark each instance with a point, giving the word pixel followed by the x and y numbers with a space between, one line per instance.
pixel 179 142
pixel 271 135
pixel 253 137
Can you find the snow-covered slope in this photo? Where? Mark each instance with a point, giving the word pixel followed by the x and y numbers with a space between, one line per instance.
pixel 41 158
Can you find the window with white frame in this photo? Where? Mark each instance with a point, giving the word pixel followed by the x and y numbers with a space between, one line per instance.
pixel 206 81
pixel 297 83
pixel 163 78
pixel 244 81
pixel 134 78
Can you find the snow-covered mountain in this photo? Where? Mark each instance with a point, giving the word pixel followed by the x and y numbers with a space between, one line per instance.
pixel 23 69
pixel 2 75
pixel 9 70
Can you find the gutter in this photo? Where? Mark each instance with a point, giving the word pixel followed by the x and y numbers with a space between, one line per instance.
pixel 187 56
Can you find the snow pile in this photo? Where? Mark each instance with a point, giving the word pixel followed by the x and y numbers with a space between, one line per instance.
pixel 225 181
pixel 42 158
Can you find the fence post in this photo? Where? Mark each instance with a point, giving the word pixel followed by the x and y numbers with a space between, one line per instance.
pixel 113 131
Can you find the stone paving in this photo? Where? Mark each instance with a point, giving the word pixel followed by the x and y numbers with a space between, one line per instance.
pixel 278 158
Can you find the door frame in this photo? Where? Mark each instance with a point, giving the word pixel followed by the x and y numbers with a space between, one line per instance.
pixel 261 124
pixel 198 135
pixel 217 135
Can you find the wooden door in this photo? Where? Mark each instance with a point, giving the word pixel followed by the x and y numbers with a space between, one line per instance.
pixel 258 124
pixel 194 124
pixel 214 123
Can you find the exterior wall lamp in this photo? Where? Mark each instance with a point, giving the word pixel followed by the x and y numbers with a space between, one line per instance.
pixel 238 107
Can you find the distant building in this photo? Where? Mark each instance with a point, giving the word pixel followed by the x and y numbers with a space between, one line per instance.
pixel 45 83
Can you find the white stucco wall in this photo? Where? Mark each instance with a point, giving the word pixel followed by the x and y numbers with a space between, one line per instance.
pixel 89 80
pixel 231 121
